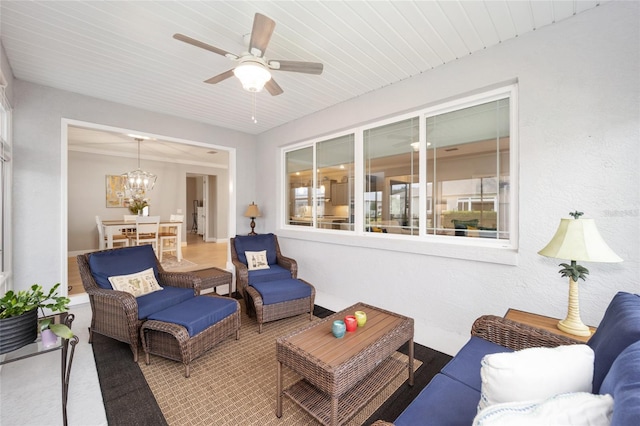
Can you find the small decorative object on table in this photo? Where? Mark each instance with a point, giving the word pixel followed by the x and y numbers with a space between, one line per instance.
pixel 338 328
pixel 361 318
pixel 350 323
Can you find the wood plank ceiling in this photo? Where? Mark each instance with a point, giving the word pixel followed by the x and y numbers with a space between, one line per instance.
pixel 123 51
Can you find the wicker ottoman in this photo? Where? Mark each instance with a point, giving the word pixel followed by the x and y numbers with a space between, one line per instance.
pixel 187 330
pixel 274 300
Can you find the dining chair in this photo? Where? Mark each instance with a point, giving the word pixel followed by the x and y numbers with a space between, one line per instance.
pixel 130 232
pixel 147 229
pixel 118 239
pixel 169 237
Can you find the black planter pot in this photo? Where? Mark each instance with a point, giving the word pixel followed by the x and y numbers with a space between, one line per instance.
pixel 16 332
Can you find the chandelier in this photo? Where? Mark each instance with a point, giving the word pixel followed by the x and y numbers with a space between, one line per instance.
pixel 138 182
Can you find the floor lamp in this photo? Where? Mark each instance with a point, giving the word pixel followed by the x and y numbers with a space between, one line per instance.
pixel 252 212
pixel 577 240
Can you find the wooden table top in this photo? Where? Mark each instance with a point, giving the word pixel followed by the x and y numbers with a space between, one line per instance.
pixel 318 341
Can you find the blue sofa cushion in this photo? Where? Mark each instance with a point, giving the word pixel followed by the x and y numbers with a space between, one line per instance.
pixel 123 261
pixel 282 290
pixel 622 382
pixel 274 273
pixel 619 328
pixel 197 314
pixel 465 366
pixel 159 300
pixel 256 243
pixel 443 402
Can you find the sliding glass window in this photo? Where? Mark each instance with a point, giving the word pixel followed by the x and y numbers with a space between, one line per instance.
pixel 468 171
pixel 391 178
pixel 321 196
pixel 444 173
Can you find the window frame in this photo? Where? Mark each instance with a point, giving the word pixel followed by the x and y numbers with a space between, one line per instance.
pixel 493 250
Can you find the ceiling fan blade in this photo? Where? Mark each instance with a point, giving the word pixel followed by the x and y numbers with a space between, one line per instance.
pixel 261 34
pixel 273 87
pixel 203 45
pixel 220 77
pixel 297 66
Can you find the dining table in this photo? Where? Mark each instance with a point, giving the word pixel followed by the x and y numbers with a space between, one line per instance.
pixel 112 227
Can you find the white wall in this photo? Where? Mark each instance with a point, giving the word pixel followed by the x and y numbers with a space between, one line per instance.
pixel 86 194
pixel 579 120
pixel 39 204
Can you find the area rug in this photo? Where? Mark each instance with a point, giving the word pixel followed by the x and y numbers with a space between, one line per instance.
pixel 235 382
pixel 170 263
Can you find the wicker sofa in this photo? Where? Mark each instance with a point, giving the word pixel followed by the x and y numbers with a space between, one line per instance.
pixel 452 396
pixel 118 314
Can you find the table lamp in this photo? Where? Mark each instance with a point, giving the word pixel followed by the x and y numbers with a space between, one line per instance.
pixel 252 212
pixel 577 239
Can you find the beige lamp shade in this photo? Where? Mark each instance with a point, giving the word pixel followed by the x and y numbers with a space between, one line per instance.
pixel 579 239
pixel 252 211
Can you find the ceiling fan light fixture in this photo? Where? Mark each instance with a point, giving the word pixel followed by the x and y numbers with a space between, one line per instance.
pixel 252 75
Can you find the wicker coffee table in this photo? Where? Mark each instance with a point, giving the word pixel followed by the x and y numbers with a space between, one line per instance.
pixel 341 375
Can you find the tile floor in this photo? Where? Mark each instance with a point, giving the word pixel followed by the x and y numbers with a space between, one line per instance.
pixel 30 389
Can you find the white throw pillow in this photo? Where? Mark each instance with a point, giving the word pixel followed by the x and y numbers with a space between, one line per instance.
pixel 535 374
pixel 256 260
pixel 138 284
pixel 580 408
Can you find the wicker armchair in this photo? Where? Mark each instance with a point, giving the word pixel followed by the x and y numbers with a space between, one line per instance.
pixel 253 299
pixel 115 313
pixel 242 271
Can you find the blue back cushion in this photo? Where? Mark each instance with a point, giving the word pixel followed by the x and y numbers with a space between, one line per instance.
pixel 256 243
pixel 623 384
pixel 619 328
pixel 282 290
pixel 197 314
pixel 123 261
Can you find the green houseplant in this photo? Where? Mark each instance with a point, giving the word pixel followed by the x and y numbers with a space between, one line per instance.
pixel 19 316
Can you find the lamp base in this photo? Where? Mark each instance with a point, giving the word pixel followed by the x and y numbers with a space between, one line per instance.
pixel 571 326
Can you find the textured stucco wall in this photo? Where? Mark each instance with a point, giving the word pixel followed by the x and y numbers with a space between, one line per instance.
pixel 579 121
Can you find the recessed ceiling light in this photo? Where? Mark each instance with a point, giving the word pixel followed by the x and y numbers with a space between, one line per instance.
pixel 132 135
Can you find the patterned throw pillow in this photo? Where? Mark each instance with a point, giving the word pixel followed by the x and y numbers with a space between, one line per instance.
pixel 257 260
pixel 138 284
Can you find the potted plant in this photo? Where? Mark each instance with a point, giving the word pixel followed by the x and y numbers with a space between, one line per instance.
pixel 19 316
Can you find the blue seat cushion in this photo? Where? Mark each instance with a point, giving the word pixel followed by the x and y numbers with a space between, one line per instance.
pixel 197 314
pixel 619 328
pixel 622 382
pixel 123 261
pixel 256 243
pixel 465 366
pixel 443 402
pixel 159 300
pixel 282 290
pixel 274 273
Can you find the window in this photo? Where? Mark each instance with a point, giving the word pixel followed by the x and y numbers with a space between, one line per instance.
pixel 440 174
pixel 468 171
pixel 321 196
pixel 391 169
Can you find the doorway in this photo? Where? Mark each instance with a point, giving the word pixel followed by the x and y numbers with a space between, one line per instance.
pixel 106 146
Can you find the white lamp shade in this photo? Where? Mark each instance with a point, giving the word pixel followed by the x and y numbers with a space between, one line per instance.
pixel 579 239
pixel 253 76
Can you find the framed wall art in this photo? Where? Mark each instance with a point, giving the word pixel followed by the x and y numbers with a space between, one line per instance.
pixel 115 194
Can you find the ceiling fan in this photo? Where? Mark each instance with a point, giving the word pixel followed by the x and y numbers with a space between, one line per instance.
pixel 253 69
